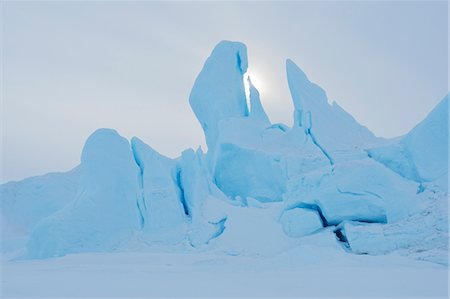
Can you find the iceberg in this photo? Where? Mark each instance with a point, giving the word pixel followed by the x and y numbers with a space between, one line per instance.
pixel 300 222
pixel 330 127
pixel 359 190
pixel 26 202
pixel 218 92
pixel 257 112
pixel 247 156
pixel 259 189
pixel 422 235
pixel 421 155
pixel 104 212
pixel 160 208
pixel 207 220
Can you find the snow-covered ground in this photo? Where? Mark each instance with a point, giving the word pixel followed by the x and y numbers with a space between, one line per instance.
pixel 307 271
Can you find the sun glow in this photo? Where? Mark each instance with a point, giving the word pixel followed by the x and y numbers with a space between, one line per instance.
pixel 256 82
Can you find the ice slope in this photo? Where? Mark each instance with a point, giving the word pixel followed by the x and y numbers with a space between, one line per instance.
pixel 104 212
pixel 428 143
pixel 26 202
pixel 162 216
pixel 421 155
pixel 329 126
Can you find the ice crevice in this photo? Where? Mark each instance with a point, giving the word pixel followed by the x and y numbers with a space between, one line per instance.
pixel 182 193
pixel 338 231
pixel 140 197
pixel 220 225
pixel 309 132
pixel 313 207
pixel 279 126
pixel 141 215
pixel 373 193
pixel 341 237
pixel 325 223
pixel 353 193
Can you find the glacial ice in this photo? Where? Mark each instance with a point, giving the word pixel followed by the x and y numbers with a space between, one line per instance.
pixel 243 150
pixel 249 173
pixel 257 112
pixel 104 211
pixel 300 222
pixel 218 92
pixel 422 235
pixel 26 202
pixel 421 155
pixel 260 189
pixel 331 127
pixel 360 190
pixel 206 219
pixel 160 208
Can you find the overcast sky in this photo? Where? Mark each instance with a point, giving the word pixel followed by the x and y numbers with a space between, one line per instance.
pixel 72 67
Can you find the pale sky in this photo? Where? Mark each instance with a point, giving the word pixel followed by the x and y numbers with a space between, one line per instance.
pixel 69 68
